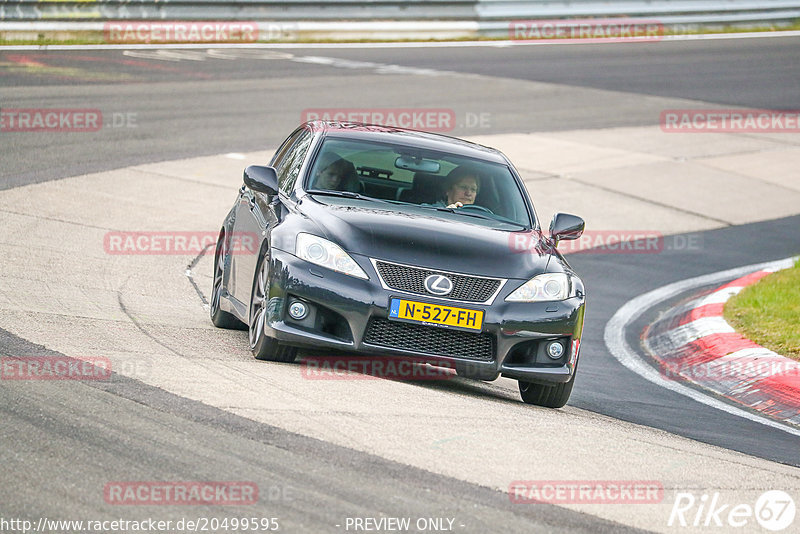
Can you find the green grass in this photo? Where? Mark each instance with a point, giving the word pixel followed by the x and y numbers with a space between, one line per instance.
pixel 768 312
pixel 47 41
pixel 744 28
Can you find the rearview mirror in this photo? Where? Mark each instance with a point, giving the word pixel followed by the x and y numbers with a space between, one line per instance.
pixel 566 226
pixel 410 163
pixel 261 179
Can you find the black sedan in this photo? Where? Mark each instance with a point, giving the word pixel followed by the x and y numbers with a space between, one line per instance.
pixel 391 242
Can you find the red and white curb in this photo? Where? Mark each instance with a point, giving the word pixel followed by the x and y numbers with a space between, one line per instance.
pixel 693 342
pixel 616 339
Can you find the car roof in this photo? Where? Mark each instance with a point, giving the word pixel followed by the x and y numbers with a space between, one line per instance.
pixel 402 136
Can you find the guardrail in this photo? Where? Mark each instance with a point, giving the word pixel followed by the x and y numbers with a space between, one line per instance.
pixel 291 20
pixel 535 9
pixel 318 10
pixel 277 10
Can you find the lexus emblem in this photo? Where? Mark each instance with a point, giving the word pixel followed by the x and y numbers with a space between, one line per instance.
pixel 438 284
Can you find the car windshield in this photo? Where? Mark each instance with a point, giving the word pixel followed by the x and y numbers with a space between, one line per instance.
pixel 410 176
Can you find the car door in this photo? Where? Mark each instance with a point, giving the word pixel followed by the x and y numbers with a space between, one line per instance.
pixel 256 212
pixel 239 281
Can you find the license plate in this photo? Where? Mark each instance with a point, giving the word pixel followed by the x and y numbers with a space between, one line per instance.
pixel 435 314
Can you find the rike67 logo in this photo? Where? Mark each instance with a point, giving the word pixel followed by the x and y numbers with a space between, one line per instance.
pixel 773 510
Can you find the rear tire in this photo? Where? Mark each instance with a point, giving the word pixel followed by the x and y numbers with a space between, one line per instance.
pixel 549 396
pixel 220 318
pixel 263 346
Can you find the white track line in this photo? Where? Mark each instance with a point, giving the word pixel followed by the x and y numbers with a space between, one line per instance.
pixel 721 296
pixel 423 44
pixel 614 337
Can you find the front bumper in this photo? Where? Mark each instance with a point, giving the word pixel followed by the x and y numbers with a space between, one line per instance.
pixel 345 311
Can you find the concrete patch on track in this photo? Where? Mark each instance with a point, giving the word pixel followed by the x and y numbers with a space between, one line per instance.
pixel 642 178
pixel 62 289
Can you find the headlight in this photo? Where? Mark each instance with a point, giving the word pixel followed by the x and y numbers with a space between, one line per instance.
pixel 326 254
pixel 545 287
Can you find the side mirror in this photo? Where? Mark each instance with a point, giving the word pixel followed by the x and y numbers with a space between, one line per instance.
pixel 261 179
pixel 566 226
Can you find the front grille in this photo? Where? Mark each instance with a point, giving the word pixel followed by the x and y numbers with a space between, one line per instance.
pixel 412 279
pixel 430 340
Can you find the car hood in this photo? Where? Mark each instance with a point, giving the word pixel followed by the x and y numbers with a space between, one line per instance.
pixel 428 238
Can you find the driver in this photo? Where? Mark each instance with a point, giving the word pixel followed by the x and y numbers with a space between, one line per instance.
pixel 333 172
pixel 462 186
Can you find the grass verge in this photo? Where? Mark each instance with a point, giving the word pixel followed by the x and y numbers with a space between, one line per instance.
pixel 768 312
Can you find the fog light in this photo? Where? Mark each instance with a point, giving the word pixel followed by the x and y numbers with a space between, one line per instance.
pixel 555 350
pixel 298 310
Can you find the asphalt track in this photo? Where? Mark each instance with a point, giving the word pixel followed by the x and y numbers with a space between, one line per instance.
pixel 62 441
pixel 195 105
pixel 242 105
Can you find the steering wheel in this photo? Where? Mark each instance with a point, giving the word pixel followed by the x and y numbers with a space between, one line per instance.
pixel 476 207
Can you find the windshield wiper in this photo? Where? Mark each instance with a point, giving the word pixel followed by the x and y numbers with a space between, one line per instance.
pixel 348 194
pixel 477 215
pixel 459 212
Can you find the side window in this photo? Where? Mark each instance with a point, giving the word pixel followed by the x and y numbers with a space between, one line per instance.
pixel 288 164
pixel 280 154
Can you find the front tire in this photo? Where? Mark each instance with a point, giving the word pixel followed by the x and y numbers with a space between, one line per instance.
pixel 220 318
pixel 263 346
pixel 548 396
